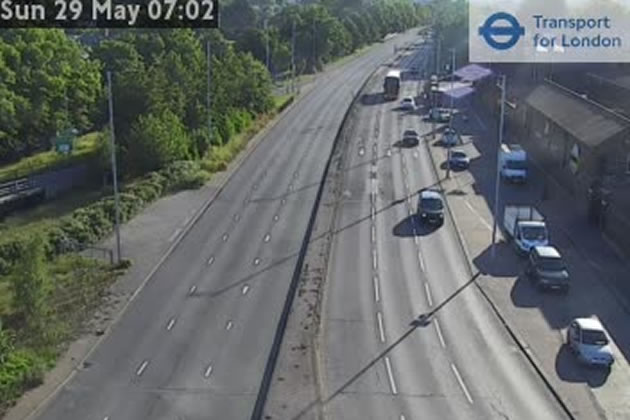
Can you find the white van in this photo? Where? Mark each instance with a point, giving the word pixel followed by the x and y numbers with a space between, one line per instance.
pixel 513 163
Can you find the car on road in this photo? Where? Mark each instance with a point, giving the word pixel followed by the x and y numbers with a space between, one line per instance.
pixel 440 115
pixel 588 340
pixel 547 269
pixel 431 207
pixel 410 138
pixel 449 138
pixel 459 159
pixel 408 103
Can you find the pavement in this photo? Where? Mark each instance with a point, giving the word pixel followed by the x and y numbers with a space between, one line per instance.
pixel 598 274
pixel 405 334
pixel 211 271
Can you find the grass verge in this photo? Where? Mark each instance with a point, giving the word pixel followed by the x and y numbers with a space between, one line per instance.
pixel 86 147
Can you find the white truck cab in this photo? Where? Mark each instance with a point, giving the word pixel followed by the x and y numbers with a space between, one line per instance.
pixel 526 226
pixel 513 163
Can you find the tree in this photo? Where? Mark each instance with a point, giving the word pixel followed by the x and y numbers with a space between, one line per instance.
pixel 47 84
pixel 156 140
pixel 29 282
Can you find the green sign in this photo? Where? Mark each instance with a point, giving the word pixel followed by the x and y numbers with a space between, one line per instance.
pixel 64 142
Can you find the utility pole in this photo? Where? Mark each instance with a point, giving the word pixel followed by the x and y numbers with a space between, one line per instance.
pixel 497 184
pixel 293 57
pixel 114 170
pixel 450 120
pixel 437 58
pixel 209 85
pixel 267 46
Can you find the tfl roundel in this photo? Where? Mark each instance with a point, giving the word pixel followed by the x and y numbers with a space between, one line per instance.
pixel 490 31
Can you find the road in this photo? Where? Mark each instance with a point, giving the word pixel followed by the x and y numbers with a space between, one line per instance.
pixel 196 339
pixel 386 270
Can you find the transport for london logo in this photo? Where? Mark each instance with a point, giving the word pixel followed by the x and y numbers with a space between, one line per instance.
pixel 508 35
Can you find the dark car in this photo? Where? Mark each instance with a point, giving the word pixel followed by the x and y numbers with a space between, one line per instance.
pixel 410 138
pixel 431 207
pixel 458 160
pixel 547 269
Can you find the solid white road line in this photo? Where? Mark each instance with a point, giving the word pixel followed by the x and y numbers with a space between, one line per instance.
pixel 486 224
pixel 142 367
pixel 192 290
pixel 245 289
pixel 461 383
pixel 211 260
pixel 428 292
pixel 439 332
pixel 377 293
pixel 381 331
pixel 208 371
pixel 390 375
pixel 174 235
pixel 187 220
pixel 170 324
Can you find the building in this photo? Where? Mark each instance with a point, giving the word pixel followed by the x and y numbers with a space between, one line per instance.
pixel 583 145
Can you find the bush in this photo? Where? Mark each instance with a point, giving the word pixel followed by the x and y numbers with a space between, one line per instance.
pixel 21 370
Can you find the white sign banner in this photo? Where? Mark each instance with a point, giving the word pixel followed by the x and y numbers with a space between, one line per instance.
pixel 544 31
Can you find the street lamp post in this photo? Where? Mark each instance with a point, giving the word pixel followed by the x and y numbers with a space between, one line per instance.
pixel 114 169
pixel 498 169
pixel 450 120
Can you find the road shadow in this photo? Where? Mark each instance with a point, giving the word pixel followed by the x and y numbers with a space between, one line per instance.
pixel 444 165
pixel 555 306
pixel 422 321
pixel 369 99
pixel 505 262
pixel 569 369
pixel 405 145
pixel 411 226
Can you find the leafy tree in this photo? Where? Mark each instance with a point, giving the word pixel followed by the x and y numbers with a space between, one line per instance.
pixel 156 140
pixel 47 84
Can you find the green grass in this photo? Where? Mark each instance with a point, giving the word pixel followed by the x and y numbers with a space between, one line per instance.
pixel 85 147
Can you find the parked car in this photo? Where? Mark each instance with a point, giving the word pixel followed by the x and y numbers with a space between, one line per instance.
pixel 440 115
pixel 449 138
pixel 408 103
pixel 547 269
pixel 459 159
pixel 431 207
pixel 410 138
pixel 588 340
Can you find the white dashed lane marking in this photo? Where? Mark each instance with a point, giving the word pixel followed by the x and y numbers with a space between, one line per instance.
pixel 211 260
pixel 170 324
pixel 142 368
pixel 428 292
pixel 438 330
pixel 377 293
pixel 390 376
pixel 207 372
pixel 229 325
pixel 461 383
pixel 192 290
pixel 381 330
pixel 245 289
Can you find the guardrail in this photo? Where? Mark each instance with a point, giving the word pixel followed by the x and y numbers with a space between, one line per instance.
pixel 17 186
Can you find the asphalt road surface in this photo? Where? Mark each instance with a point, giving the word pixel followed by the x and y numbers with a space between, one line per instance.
pixel 195 342
pixel 386 269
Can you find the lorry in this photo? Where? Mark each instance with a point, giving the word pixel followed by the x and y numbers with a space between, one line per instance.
pixel 513 163
pixel 526 226
pixel 391 85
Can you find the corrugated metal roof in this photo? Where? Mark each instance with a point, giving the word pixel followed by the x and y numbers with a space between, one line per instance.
pixel 585 121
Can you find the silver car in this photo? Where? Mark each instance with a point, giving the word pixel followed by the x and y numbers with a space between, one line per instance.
pixel 588 340
pixel 449 138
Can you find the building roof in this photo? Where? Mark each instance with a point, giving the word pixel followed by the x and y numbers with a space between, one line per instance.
pixel 588 122
pixel 473 72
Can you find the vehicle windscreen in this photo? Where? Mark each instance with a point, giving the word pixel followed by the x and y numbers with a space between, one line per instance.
pixel 534 233
pixel 432 204
pixel 594 338
pixel 552 264
pixel 516 164
pixel 458 155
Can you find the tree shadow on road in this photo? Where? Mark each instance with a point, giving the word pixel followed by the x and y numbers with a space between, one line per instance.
pixel 369 99
pixel 569 369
